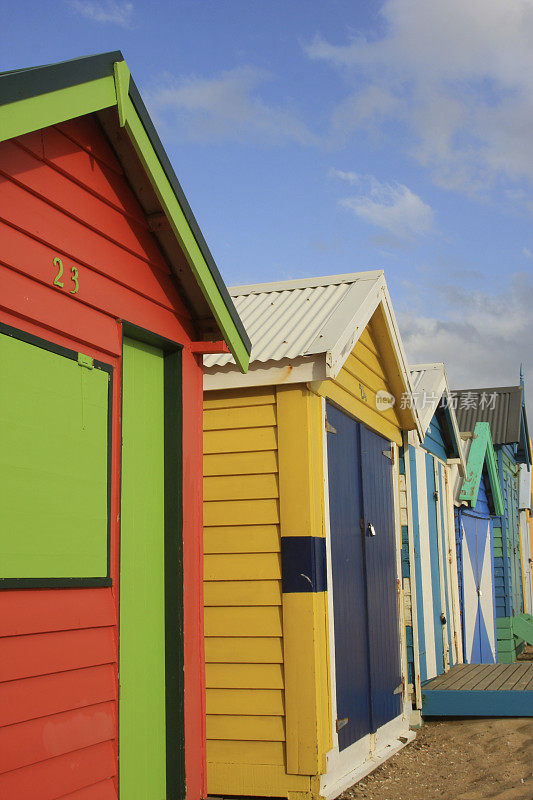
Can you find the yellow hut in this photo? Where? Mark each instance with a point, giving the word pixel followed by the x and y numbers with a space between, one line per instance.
pixel 304 623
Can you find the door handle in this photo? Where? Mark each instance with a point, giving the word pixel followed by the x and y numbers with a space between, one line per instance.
pixel 371 531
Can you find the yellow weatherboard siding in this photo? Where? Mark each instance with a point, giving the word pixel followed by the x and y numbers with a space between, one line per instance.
pixel 243 599
pixel 365 372
pixel 268 721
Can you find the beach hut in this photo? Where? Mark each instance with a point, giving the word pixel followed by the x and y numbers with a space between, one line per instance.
pixel 479 500
pixel 108 299
pixel 504 409
pixel 304 625
pixel 430 569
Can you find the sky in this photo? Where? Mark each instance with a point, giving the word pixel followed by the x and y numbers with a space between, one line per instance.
pixel 318 137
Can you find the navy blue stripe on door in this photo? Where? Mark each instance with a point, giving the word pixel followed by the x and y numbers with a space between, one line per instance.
pixel 303 564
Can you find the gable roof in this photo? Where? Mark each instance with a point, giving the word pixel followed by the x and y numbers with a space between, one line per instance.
pixel 304 330
pixel 307 317
pixel 481 454
pixel 35 98
pixel 431 395
pixel 504 410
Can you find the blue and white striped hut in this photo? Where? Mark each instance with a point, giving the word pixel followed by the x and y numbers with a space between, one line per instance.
pixel 428 549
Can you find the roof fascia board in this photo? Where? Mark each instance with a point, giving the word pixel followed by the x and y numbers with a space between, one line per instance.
pixel 346 338
pixel 269 373
pixel 182 230
pixel 408 415
pixel 22 84
pixel 426 414
pixel 482 452
pixel 494 478
pixel 59 105
pixel 456 433
pixel 183 203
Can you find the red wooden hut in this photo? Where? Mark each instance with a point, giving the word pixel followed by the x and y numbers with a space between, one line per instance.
pixel 109 296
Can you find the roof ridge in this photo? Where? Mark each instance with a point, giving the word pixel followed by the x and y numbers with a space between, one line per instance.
pixel 304 283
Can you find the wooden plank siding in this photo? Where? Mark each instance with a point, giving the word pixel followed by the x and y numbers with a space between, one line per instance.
pixel 242 594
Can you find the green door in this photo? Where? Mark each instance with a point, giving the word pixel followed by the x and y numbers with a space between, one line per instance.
pixel 142 713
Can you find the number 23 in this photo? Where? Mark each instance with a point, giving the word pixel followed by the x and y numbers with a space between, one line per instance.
pixel 73 274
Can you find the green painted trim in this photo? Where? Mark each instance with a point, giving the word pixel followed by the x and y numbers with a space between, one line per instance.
pixel 476 459
pixel 183 233
pixel 142 701
pixel 492 468
pixel 122 84
pixel 34 113
pixel 482 452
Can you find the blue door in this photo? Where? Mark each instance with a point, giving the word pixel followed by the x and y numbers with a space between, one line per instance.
pixel 349 603
pixel 381 578
pixel 365 589
pixel 477 565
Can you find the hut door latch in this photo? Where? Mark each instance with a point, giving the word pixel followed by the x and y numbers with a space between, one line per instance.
pixel 370 529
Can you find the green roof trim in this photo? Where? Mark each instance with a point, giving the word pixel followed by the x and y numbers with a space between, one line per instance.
pixel 60 105
pixel 42 96
pixel 482 453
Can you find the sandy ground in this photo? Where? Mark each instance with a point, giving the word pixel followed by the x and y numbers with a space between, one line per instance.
pixel 457 760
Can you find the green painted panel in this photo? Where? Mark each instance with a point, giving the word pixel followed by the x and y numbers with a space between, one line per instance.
pixel 142 751
pixel 53 464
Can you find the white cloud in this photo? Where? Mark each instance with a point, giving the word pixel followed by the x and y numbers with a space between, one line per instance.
pixel 482 337
pixel 390 206
pixel 527 252
pixel 228 106
pixel 458 74
pixel 113 11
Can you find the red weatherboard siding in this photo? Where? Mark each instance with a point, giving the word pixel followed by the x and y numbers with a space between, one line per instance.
pixel 63 193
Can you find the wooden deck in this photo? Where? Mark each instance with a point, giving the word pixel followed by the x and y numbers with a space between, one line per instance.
pixel 481 690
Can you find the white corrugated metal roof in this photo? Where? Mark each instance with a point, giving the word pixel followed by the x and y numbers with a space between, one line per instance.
pixel 302 331
pixel 429 384
pixel 290 319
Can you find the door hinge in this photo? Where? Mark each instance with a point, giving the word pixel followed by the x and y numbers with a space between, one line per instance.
pixel 329 427
pixel 389 454
pixel 341 723
pixel 400 688
pixel 85 361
